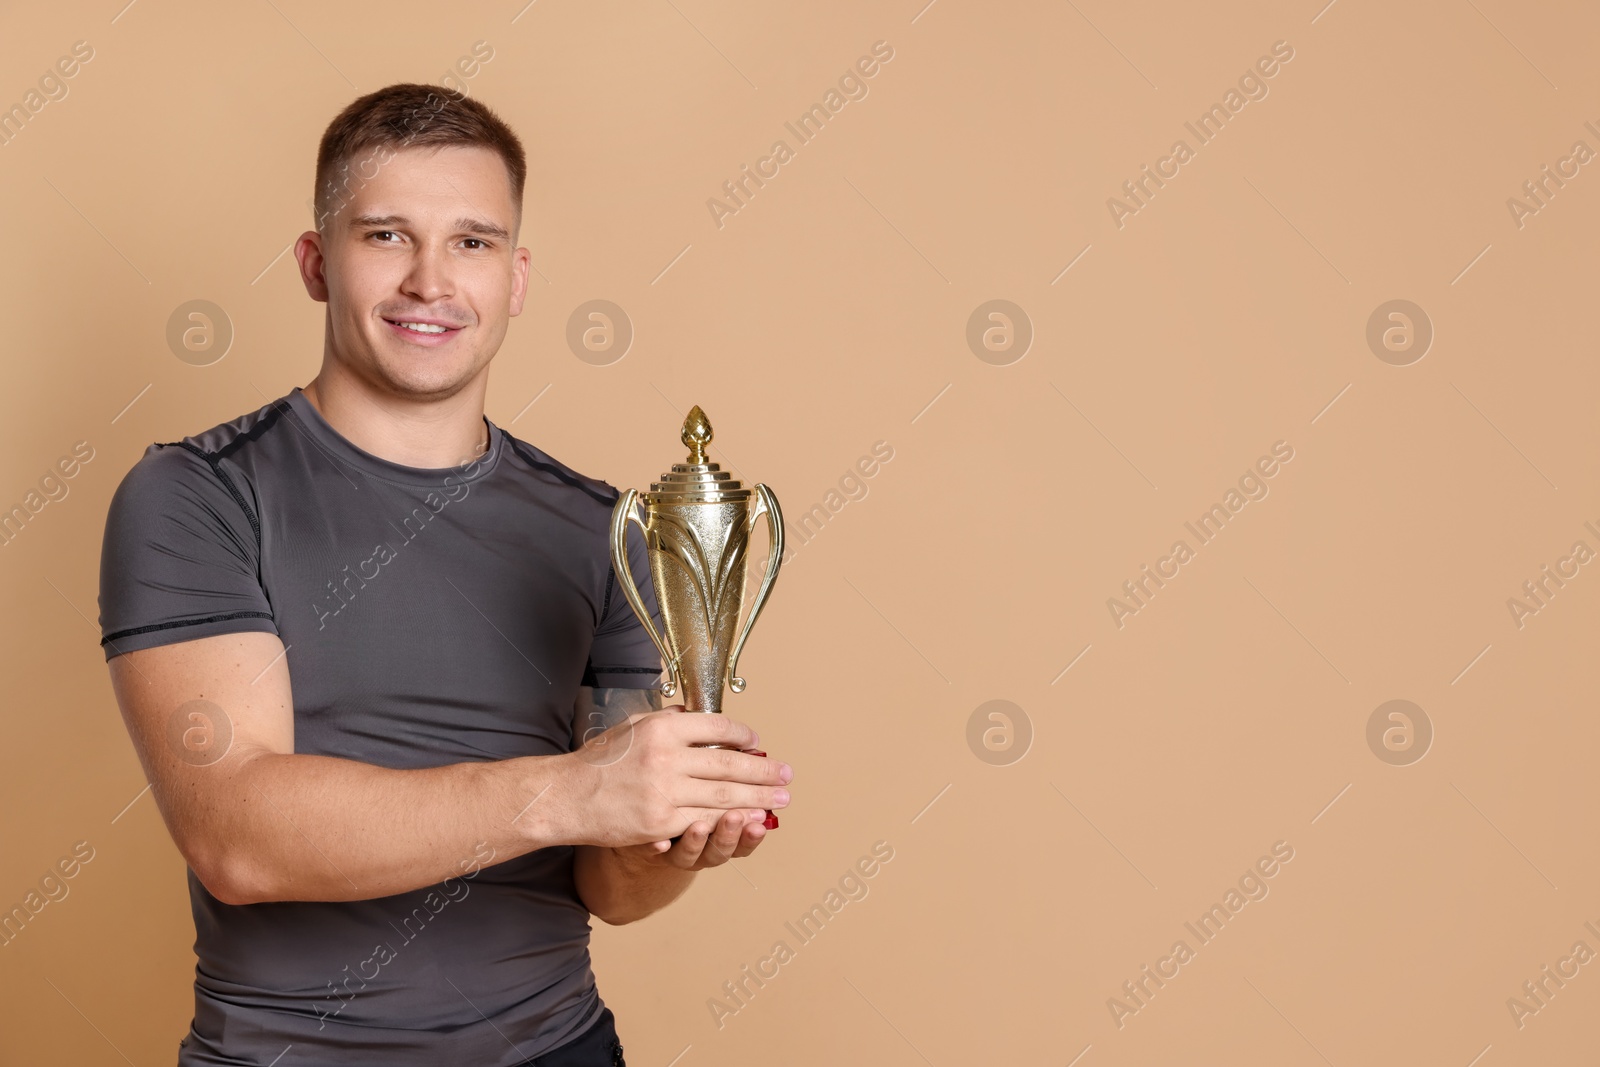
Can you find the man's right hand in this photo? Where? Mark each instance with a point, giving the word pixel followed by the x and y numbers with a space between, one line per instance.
pixel 643 780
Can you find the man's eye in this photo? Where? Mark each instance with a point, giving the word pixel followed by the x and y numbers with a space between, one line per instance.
pixel 478 242
pixel 382 233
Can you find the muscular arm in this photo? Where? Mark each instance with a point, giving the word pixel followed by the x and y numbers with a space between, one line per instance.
pixel 257 821
pixel 622 885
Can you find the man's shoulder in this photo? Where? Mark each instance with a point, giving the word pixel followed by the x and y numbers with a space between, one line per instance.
pixel 226 438
pixel 544 469
pixel 219 442
pixel 196 473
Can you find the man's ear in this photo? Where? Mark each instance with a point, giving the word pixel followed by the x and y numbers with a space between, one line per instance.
pixel 308 253
pixel 521 259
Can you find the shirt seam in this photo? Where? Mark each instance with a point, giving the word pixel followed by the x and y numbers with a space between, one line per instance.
pixel 605 605
pixel 137 630
pixel 563 475
pixel 215 464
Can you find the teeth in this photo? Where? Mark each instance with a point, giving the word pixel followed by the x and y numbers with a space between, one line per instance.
pixel 421 327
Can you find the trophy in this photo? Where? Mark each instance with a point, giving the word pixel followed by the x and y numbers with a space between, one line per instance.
pixel 697 524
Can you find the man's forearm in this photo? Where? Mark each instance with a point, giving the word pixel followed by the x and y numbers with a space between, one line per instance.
pixel 620 890
pixel 304 827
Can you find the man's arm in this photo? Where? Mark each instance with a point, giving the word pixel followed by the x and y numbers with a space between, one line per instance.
pixel 258 821
pixel 622 885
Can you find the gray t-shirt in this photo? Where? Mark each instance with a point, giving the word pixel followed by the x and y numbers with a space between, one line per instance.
pixel 431 617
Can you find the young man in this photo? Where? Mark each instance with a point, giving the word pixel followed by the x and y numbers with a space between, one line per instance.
pixel 394 861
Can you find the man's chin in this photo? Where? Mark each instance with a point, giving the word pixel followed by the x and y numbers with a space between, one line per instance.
pixel 406 380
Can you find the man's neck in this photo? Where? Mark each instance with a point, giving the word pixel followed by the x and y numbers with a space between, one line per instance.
pixel 431 434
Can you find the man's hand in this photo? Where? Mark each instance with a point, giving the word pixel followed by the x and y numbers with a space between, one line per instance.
pixel 640 765
pixel 645 780
pixel 735 835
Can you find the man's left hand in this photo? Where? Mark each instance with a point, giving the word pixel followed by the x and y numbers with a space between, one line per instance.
pixel 735 836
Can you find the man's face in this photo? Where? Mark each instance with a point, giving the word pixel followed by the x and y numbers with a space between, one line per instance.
pixel 419 271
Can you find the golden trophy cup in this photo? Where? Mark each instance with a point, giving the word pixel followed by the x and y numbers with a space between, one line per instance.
pixel 697 524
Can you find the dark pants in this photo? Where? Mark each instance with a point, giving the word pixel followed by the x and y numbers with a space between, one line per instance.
pixel 597 1046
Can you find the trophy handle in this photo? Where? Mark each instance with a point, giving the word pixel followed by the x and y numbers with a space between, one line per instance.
pixel 768 504
pixel 624 513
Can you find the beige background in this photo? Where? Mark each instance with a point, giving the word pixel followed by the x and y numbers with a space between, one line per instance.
pixel 831 313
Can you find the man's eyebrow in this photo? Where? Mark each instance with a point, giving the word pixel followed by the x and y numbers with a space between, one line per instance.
pixel 463 224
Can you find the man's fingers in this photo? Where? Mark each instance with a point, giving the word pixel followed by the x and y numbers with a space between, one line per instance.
pixel 721 765
pixel 747 843
pixel 714 839
pixel 726 839
pixel 691 843
pixel 698 728
pixel 751 834
pixel 713 797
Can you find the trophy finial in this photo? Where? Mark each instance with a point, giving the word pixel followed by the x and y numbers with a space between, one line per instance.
pixel 696 434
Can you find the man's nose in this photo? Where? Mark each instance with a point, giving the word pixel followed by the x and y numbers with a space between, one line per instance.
pixel 430 277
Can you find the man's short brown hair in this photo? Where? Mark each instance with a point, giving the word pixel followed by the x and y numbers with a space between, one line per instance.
pixel 406 115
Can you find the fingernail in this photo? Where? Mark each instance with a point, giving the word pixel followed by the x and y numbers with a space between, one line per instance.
pixel 781 798
pixel 785 772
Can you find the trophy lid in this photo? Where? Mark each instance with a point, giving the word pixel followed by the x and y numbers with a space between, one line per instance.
pixel 697 480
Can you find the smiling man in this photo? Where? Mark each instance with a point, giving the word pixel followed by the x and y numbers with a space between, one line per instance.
pixel 371 652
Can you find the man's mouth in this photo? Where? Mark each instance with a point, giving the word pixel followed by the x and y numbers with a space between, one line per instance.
pixel 429 328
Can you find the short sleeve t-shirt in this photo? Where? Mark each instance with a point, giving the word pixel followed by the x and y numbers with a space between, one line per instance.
pixel 430 617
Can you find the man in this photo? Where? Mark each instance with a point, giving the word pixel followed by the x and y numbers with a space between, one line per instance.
pixel 394 861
